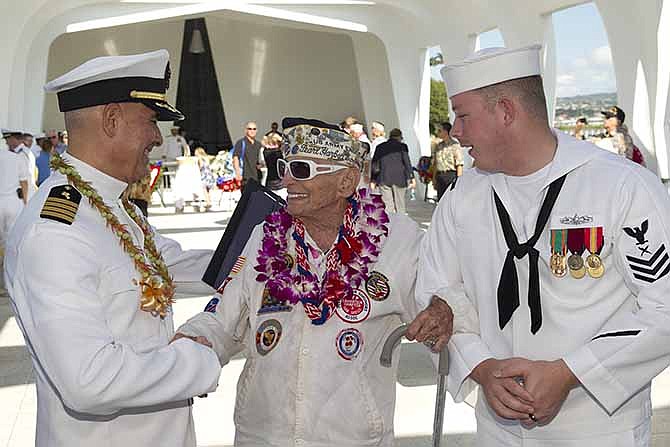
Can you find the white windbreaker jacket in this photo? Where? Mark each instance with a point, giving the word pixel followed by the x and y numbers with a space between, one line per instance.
pixel 319 386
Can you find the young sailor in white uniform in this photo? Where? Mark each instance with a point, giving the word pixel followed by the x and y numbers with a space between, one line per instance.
pixel 91 282
pixel 557 271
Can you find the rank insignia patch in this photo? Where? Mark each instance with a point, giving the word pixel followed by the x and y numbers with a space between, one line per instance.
pixel 267 336
pixel 349 343
pixel 239 264
pixel 354 308
pixel 211 306
pixel 62 204
pixel 648 266
pixel 377 286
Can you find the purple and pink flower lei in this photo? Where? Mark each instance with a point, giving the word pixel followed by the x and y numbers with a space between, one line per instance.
pixel 358 246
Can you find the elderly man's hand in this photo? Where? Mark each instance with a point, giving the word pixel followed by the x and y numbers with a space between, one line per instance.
pixel 433 326
pixel 505 395
pixel 548 382
pixel 199 339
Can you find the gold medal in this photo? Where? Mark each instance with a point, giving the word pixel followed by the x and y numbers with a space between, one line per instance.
pixel 558 265
pixel 594 266
pixel 594 240
pixel 557 262
pixel 576 266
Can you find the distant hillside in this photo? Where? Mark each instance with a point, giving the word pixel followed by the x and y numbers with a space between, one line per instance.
pixel 569 108
pixel 609 98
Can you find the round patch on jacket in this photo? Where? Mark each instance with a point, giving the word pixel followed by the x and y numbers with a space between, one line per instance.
pixel 267 336
pixel 354 308
pixel 377 286
pixel 349 343
pixel 290 262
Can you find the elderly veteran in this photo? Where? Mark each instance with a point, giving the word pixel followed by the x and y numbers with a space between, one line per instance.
pixel 559 279
pixel 316 291
pixel 92 283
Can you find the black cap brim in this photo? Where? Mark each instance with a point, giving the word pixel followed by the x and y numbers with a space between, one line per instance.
pixel 164 110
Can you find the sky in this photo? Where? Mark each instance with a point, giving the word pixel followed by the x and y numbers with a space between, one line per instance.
pixel 584 61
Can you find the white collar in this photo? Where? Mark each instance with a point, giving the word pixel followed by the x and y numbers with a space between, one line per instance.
pixel 20 148
pixel 571 153
pixel 109 188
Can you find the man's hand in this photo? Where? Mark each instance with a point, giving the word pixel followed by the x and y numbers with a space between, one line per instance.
pixel 433 326
pixel 199 339
pixel 548 382
pixel 504 395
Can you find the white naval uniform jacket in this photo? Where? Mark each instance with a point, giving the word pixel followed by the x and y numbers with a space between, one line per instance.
pixel 301 389
pixel 105 374
pixel 612 332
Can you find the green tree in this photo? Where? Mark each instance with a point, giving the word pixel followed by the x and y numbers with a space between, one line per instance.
pixel 439 105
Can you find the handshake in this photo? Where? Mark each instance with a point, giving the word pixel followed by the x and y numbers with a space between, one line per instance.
pixel 199 339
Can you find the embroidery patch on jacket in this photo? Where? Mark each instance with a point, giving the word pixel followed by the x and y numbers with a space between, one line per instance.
pixel 270 304
pixel 267 336
pixel 354 308
pixel 349 343
pixel 223 285
pixel 211 306
pixel 377 286
pixel 62 204
pixel 651 262
pixel 239 265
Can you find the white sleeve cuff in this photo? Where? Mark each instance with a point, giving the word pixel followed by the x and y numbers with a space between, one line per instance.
pixel 466 351
pixel 596 379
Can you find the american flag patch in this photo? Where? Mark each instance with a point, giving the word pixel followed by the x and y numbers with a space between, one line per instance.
pixel 237 267
pixel 211 306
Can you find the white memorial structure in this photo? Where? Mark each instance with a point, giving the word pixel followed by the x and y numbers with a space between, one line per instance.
pixel 327 59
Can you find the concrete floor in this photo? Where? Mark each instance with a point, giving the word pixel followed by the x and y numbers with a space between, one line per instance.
pixel 214 414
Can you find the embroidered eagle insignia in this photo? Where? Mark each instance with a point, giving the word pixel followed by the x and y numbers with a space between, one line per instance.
pixel 638 233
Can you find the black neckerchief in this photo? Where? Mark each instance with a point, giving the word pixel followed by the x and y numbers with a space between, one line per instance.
pixel 508 286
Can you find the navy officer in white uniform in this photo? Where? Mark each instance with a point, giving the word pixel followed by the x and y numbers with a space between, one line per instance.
pixel 91 282
pixel 559 277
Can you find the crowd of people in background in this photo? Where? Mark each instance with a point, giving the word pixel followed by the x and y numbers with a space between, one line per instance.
pixel 389 169
pixel 614 135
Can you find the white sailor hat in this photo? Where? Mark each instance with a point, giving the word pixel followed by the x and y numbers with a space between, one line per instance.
pixel 136 78
pixel 491 66
pixel 6 133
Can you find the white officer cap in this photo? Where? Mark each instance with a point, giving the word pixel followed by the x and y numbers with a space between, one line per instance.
pixel 491 66
pixel 140 78
pixel 6 133
pixel 377 125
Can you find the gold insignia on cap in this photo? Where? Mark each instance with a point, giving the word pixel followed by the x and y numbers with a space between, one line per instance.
pixel 147 95
pixel 62 204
